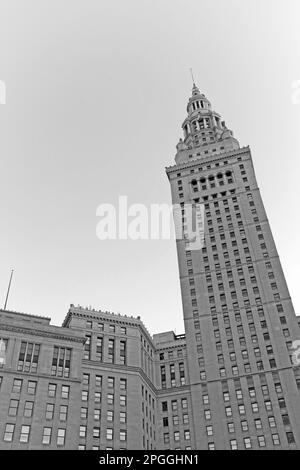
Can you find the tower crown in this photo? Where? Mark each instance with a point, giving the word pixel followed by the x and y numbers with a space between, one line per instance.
pixel 204 131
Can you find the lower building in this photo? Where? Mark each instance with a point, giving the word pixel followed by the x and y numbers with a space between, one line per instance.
pixel 100 381
pixel 93 383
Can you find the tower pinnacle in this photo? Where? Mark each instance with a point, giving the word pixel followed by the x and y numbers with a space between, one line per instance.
pixel 204 131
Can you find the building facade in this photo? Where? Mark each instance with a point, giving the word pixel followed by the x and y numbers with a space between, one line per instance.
pixel 239 319
pixel 101 381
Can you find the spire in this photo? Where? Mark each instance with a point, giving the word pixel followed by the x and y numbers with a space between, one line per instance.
pixel 204 131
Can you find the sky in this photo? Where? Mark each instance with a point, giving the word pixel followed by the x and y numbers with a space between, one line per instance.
pixel 96 93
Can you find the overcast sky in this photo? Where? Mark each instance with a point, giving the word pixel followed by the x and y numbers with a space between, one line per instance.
pixel 96 94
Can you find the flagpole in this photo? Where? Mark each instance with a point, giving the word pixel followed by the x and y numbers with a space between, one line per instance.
pixel 8 289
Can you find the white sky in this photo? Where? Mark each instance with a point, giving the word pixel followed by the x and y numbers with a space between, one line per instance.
pixel 96 94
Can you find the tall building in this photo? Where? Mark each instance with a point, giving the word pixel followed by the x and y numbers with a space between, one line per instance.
pixel 101 381
pixel 238 315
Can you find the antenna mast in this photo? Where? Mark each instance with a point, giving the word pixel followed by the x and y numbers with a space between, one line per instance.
pixel 8 289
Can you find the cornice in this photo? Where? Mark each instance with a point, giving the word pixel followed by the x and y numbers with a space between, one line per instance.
pixel 208 159
pixel 43 333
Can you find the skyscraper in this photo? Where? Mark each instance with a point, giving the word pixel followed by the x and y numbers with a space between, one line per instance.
pixel 239 318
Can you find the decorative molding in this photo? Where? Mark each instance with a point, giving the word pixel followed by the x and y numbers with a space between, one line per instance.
pixel 45 334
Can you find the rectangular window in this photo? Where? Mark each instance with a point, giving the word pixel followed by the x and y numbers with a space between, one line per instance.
pixel 28 357
pixel 9 432
pixel 17 386
pixel 123 352
pixel 49 411
pixel 13 407
pixel 31 387
pixel 61 362
pixel 24 435
pixel 46 439
pixel 99 349
pixel 83 413
pixel 28 409
pixel 61 437
pixel 52 390
pixel 65 391
pixel 111 351
pixel 63 413
pixel 87 347
pixel 82 431
pixel 122 400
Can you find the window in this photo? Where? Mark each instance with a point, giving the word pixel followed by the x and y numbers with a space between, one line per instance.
pixel 109 434
pixel 96 433
pixel 272 422
pixel 231 428
pixel 52 390
pixel 17 386
pixel 85 379
pixel 254 407
pixel 110 382
pixel 28 357
pixel 46 439
pixel 63 412
pixel 268 405
pixel 185 418
pixel 99 349
pixel 176 436
pixel 209 430
pixel 187 435
pixel 49 411
pixel 123 352
pixel 65 391
pixel 110 399
pixel 233 444
pixel 123 435
pixel 122 400
pixel 258 423
pixel 82 431
pixel 275 439
pixel 290 437
pixel 261 441
pixel 31 387
pixel 183 403
pixel 111 351
pixel 9 432
pixel 24 435
pixel 83 413
pixel 61 436
pixel 28 409
pixel 244 425
pixel 247 443
pixel 61 362
pixel 228 411
pixel 123 417
pixel 87 347
pixel 84 395
pixel 123 384
pixel 13 407
pixel 98 381
pixel 110 415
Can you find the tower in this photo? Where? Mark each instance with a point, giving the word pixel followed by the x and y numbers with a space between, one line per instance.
pixel 239 319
